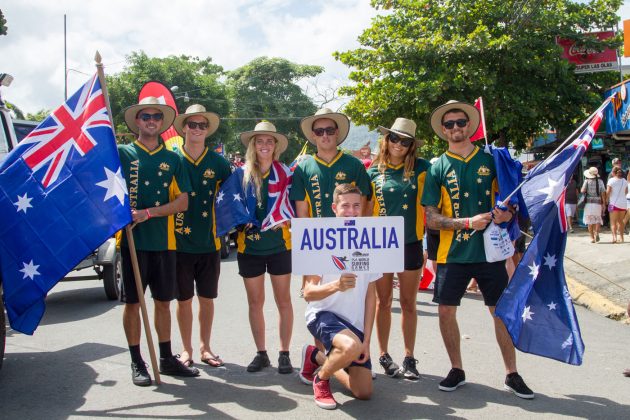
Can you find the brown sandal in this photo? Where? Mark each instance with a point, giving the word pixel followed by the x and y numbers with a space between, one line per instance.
pixel 214 361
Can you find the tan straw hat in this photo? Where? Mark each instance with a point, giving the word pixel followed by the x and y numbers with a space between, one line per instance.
pixel 591 172
pixel 197 109
pixel 131 113
pixel 402 127
pixel 343 124
pixel 265 127
pixel 438 114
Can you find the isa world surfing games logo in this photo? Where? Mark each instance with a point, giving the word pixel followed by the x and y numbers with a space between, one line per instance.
pixel 340 262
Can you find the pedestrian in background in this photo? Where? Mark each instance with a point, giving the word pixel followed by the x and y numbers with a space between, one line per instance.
pixel 594 208
pixel 616 192
pixel 570 202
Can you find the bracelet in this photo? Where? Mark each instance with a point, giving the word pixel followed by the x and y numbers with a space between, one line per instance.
pixel 148 214
pixel 467 223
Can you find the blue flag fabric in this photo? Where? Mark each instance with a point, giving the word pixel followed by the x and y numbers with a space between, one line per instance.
pixel 62 194
pixel 234 206
pixel 536 307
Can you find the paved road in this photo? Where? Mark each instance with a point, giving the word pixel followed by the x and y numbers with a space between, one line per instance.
pixel 77 366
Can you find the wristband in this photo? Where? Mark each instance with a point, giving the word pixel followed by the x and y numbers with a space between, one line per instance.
pixel 148 214
pixel 467 223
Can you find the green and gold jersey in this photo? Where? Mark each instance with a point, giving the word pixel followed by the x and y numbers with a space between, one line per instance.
pixel 268 242
pixel 314 181
pixel 153 178
pixel 195 229
pixel 461 187
pixel 395 195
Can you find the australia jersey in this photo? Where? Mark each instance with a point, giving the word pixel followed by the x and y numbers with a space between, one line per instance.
pixel 314 181
pixel 395 195
pixel 269 242
pixel 153 178
pixel 461 187
pixel 195 229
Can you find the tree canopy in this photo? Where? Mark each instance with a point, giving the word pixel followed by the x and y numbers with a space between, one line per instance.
pixel 421 53
pixel 266 88
pixel 3 24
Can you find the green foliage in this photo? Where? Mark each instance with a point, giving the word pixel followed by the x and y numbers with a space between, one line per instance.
pixel 266 88
pixel 199 78
pixel 3 24
pixel 16 111
pixel 421 53
pixel 39 116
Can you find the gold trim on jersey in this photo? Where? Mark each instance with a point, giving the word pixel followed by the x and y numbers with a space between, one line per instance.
pixel 332 162
pixel 150 152
pixel 463 159
pixel 193 161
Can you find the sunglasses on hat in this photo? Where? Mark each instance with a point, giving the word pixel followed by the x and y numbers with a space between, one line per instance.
pixel 154 117
pixel 193 125
pixel 451 123
pixel 328 130
pixel 395 138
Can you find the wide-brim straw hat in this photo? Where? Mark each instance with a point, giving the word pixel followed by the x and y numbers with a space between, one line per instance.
pixel 149 102
pixel 343 124
pixel 197 109
pixel 265 127
pixel 403 127
pixel 438 113
pixel 591 172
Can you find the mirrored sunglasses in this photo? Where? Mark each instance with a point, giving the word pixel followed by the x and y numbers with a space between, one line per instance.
pixel 154 117
pixel 328 130
pixel 451 123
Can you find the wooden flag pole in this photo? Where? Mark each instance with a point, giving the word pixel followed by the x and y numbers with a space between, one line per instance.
pixel 132 246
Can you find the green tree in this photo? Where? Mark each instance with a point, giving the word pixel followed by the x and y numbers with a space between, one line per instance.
pixel 16 111
pixel 3 24
pixel 421 53
pixel 266 88
pixel 38 116
pixel 198 81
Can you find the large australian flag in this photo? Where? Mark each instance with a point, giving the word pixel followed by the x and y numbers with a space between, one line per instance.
pixel 235 206
pixel 536 307
pixel 62 194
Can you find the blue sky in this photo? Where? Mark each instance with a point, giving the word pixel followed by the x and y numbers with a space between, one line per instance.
pixel 231 32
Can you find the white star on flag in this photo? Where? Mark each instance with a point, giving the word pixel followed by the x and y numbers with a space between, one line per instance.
pixel 237 197
pixel 552 306
pixel 115 185
pixel 550 260
pixel 527 314
pixel 30 270
pixel 23 203
pixel 220 197
pixel 553 190
pixel 568 342
pixel 533 270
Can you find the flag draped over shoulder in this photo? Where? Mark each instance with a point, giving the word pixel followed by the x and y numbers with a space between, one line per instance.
pixel 481 130
pixel 280 208
pixel 233 205
pixel 536 307
pixel 62 194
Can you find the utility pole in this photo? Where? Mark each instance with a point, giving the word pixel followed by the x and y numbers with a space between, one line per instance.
pixel 65 62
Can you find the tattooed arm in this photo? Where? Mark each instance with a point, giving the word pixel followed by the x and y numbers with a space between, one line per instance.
pixel 437 221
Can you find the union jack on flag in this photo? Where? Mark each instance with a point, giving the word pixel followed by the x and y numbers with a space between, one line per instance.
pixel 280 208
pixel 68 128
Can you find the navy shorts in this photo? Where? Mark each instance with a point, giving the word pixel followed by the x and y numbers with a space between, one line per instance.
pixel 157 269
pixel 413 256
pixel 201 270
pixel 453 278
pixel 433 242
pixel 250 265
pixel 325 327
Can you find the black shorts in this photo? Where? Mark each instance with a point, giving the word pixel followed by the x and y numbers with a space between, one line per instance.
pixel 413 256
pixel 452 279
pixel 519 244
pixel 157 269
pixel 433 242
pixel 256 265
pixel 200 269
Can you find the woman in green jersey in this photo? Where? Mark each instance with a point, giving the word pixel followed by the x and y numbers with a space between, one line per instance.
pixel 397 178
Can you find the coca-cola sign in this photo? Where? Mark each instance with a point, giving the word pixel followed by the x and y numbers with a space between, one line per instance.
pixel 589 60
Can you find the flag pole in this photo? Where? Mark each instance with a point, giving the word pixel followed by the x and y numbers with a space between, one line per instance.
pixel 132 246
pixel 483 120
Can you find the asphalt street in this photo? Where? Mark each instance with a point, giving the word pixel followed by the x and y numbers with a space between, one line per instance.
pixel 76 365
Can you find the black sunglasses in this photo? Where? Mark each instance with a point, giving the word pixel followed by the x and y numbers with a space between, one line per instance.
pixel 451 123
pixel 328 130
pixel 193 125
pixel 395 138
pixel 154 117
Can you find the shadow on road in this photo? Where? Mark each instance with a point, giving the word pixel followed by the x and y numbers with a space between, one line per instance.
pixel 76 304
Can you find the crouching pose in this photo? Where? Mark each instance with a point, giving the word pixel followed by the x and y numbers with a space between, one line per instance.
pixel 340 314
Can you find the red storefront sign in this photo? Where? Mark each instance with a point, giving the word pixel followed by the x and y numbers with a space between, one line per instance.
pixel 587 60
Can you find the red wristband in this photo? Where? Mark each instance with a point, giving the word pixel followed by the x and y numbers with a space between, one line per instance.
pixel 148 214
pixel 467 223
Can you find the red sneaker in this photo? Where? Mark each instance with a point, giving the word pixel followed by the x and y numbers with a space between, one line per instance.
pixel 323 396
pixel 308 368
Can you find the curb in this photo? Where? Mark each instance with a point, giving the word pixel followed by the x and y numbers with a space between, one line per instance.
pixel 584 296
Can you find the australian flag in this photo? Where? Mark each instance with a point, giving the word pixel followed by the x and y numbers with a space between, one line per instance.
pixel 536 307
pixel 62 194
pixel 235 206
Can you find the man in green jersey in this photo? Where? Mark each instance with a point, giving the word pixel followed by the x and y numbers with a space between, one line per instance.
pixel 198 258
pixel 157 190
pixel 458 196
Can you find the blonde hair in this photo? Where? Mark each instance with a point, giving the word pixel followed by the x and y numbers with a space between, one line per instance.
pixel 382 157
pixel 252 173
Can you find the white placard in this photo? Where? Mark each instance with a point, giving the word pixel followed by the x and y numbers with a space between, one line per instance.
pixel 332 245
